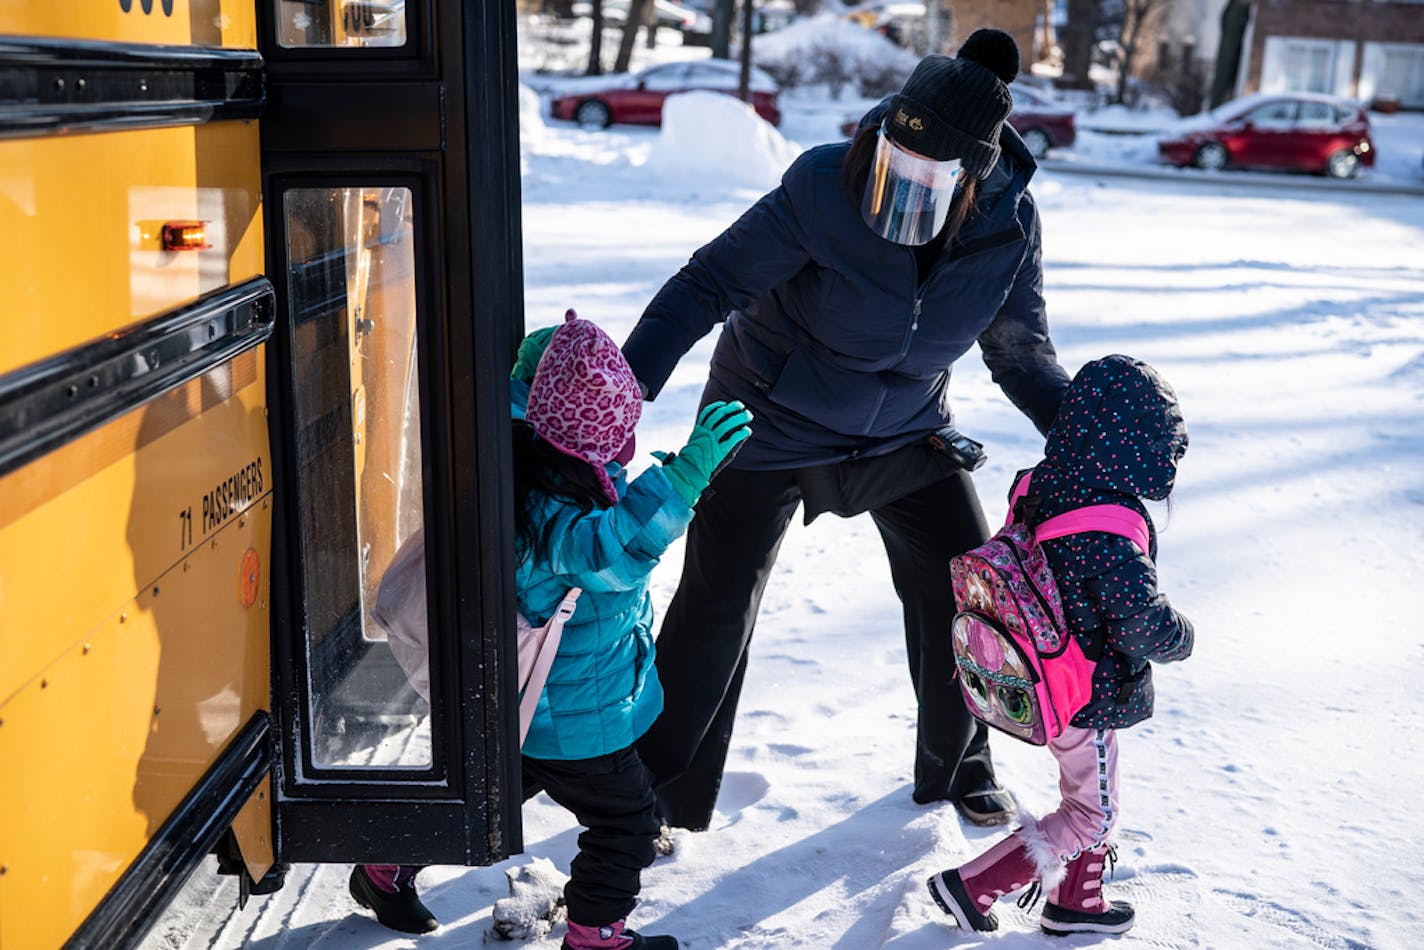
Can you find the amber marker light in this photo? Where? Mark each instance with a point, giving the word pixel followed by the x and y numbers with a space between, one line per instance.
pixel 185 236
pixel 249 575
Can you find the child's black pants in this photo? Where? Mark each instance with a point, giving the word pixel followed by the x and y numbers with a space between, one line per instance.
pixel 612 797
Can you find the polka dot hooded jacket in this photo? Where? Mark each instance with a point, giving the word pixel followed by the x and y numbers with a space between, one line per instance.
pixel 1117 439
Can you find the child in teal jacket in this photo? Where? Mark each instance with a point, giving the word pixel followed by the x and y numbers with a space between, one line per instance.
pixel 580 523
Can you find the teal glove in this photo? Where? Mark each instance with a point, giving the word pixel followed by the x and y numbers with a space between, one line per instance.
pixel 721 429
pixel 530 349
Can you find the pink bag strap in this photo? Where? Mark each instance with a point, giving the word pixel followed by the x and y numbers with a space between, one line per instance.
pixel 1113 519
pixel 553 633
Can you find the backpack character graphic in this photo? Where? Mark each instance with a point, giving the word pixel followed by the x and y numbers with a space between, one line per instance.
pixel 1019 668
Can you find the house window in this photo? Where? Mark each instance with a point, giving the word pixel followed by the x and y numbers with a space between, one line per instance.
pixel 1307 67
pixel 1298 64
pixel 1393 71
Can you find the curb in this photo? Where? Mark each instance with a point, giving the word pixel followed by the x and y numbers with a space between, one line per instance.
pixel 1233 179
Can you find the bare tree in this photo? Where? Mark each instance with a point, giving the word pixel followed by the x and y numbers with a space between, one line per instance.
pixel 1077 40
pixel 744 80
pixel 595 45
pixel 638 11
pixel 1139 21
pixel 1234 17
pixel 723 13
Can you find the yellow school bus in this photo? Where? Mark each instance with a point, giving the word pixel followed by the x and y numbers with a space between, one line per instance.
pixel 261 288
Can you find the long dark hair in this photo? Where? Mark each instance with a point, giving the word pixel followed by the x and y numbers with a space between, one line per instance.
pixel 856 171
pixel 541 469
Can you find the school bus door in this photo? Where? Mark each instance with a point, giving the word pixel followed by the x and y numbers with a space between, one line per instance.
pixel 390 179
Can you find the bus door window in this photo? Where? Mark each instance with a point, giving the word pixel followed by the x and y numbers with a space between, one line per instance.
pixel 347 23
pixel 352 294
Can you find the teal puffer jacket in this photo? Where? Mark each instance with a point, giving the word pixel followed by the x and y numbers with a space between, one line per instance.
pixel 603 690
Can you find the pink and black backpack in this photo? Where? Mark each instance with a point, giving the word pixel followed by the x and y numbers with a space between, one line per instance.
pixel 1019 667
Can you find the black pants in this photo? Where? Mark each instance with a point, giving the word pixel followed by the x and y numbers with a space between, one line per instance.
pixel 702 648
pixel 612 797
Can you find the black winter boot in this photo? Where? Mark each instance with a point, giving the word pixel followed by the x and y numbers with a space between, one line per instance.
pixel 389 891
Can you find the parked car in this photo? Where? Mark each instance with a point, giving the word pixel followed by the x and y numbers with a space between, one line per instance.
pixel 1296 132
pixel 637 98
pixel 1042 123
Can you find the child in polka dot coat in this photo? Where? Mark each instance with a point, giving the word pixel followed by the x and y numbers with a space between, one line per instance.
pixel 1117 439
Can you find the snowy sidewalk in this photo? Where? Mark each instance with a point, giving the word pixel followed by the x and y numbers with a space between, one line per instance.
pixel 1270 801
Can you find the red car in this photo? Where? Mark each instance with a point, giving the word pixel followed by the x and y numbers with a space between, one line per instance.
pixel 1041 122
pixel 1297 132
pixel 637 98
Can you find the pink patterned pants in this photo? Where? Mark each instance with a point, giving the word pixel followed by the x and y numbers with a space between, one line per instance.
pixel 1087 780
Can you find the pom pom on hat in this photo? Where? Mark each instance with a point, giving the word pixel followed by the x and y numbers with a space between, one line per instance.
pixel 995 50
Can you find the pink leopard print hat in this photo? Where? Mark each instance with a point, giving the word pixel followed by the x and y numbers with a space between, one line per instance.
pixel 584 400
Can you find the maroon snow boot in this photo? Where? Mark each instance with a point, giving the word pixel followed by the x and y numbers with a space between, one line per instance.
pixel 967 893
pixel 1077 905
pixel 613 936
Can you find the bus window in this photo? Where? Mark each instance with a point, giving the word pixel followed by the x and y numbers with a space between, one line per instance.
pixel 358 457
pixel 304 23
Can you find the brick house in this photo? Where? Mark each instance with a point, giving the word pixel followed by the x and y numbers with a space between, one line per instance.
pixel 1015 17
pixel 1371 50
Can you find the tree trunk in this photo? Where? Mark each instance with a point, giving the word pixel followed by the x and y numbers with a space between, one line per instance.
pixel 722 15
pixel 1234 17
pixel 744 81
pixel 650 23
pixel 595 45
pixel 1129 36
pixel 1077 43
pixel 637 10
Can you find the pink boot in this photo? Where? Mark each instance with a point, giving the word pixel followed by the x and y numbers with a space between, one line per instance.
pixel 968 892
pixel 1077 906
pixel 613 936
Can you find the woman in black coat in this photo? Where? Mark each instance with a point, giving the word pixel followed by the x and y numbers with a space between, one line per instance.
pixel 847 294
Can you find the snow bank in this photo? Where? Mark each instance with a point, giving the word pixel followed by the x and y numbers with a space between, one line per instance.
pixel 830 50
pixel 711 140
pixel 532 130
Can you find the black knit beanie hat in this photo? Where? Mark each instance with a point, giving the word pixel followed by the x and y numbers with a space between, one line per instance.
pixel 954 107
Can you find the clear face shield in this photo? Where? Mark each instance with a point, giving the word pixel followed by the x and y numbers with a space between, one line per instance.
pixel 907 197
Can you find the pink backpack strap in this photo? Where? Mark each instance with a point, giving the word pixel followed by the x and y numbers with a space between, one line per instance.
pixel 553 633
pixel 1113 519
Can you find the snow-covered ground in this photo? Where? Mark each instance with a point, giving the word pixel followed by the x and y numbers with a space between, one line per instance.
pixel 1270 802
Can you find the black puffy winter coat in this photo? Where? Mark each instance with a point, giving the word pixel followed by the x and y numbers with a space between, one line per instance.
pixel 830 337
pixel 1117 439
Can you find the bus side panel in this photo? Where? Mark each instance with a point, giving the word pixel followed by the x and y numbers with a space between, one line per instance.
pixel 229 23
pixel 81 218
pixel 114 706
